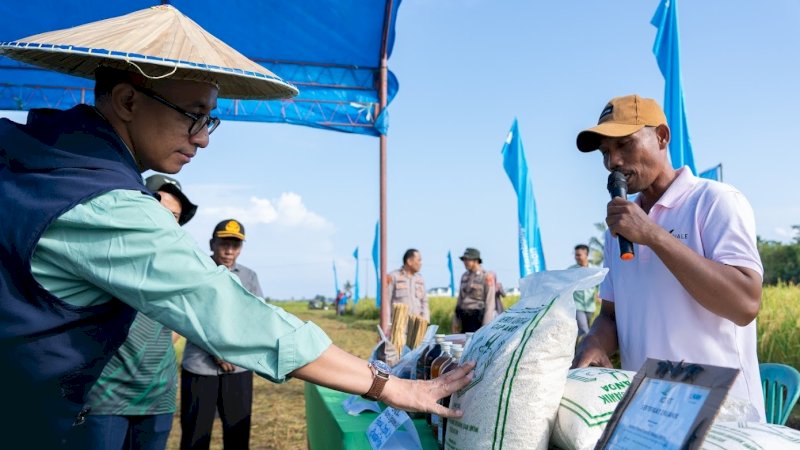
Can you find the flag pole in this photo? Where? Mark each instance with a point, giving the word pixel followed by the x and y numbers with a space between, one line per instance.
pixel 366 278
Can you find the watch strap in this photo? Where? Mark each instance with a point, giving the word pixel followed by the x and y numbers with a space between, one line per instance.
pixel 379 380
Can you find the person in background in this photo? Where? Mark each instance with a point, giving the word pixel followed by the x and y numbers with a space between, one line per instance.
pixel 693 289
pixel 476 305
pixel 346 297
pixel 89 245
pixel 499 295
pixel 340 299
pixel 584 298
pixel 209 384
pixel 407 286
pixel 171 196
pixel 133 401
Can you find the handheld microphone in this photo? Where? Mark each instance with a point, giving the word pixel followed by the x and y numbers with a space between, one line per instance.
pixel 618 187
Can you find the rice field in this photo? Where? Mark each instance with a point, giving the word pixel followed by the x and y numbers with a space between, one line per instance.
pixel 779 325
pixel 441 310
pixel 778 321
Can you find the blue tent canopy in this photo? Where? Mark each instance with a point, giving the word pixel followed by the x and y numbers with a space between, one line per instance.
pixel 330 49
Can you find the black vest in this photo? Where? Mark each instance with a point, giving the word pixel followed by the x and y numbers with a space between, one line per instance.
pixel 52 352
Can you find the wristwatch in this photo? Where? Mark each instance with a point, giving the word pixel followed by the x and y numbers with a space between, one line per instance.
pixel 380 372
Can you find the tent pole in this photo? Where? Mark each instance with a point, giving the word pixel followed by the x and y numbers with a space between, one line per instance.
pixel 385 301
pixel 382 94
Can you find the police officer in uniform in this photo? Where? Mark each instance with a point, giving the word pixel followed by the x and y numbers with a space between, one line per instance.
pixel 476 295
pixel 406 285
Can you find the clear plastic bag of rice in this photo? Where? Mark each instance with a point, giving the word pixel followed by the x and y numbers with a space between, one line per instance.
pixel 522 361
pixel 751 436
pixel 736 409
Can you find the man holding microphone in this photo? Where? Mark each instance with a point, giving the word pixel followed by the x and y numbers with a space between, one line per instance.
pixel 693 289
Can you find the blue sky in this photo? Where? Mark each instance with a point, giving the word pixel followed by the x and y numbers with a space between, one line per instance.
pixel 466 68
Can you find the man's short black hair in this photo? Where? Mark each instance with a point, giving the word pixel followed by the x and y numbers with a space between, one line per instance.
pixel 107 77
pixel 582 247
pixel 409 254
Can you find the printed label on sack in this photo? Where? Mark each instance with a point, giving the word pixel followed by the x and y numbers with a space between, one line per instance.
pixel 485 347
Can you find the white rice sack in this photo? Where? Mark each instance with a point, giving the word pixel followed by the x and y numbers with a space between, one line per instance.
pixel 590 397
pixel 522 361
pixel 750 436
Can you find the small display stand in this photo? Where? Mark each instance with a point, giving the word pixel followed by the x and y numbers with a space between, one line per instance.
pixel 669 406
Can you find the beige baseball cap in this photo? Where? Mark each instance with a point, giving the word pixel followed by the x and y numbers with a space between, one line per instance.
pixel 622 116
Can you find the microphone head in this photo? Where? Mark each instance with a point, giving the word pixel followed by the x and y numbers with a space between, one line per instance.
pixel 617 181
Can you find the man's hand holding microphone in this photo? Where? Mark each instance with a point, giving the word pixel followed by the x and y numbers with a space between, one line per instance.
pixel 626 220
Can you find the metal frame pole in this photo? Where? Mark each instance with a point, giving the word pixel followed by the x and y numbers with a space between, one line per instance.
pixel 383 75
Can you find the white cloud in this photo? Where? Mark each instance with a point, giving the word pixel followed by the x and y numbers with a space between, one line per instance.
pixel 292 212
pixel 257 211
pixel 288 210
pixel 288 245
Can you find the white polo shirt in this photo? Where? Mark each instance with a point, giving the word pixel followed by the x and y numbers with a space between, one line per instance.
pixel 656 317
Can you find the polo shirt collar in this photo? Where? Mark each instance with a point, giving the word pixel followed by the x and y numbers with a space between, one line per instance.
pixel 680 186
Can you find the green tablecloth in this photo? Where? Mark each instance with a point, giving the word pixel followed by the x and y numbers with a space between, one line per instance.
pixel 331 428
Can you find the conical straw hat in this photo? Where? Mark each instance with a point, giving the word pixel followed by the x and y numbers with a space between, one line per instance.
pixel 159 42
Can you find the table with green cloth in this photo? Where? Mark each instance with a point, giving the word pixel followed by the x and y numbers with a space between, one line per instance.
pixel 330 427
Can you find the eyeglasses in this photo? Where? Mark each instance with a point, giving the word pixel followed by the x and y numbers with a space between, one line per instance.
pixel 198 120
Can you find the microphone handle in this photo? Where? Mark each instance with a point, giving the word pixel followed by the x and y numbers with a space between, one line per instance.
pixel 625 248
pixel 626 252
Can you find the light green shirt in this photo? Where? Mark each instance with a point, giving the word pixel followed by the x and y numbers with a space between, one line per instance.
pixel 584 298
pixel 125 245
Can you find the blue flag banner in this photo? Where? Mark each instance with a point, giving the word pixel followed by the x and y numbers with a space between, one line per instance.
pixel 377 262
pixel 355 289
pixel 450 268
pixel 335 281
pixel 714 173
pixel 531 254
pixel 667 51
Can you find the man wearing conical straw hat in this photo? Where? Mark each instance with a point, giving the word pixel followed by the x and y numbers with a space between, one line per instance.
pixel 83 244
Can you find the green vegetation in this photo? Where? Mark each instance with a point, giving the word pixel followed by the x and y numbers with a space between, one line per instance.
pixel 781 261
